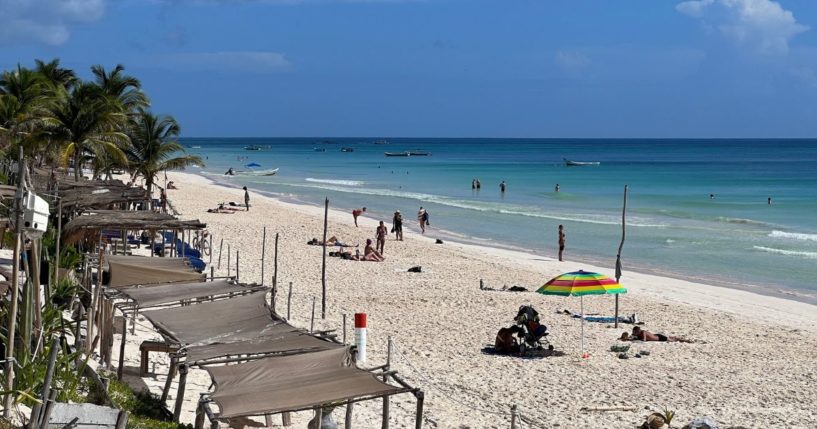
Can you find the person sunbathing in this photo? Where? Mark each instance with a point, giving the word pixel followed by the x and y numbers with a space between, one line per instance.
pixel 370 254
pixel 645 335
pixel 331 241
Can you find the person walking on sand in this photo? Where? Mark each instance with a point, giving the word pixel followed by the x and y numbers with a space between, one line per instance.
pixel 247 198
pixel 358 212
pixel 502 187
pixel 422 218
pixel 380 235
pixel 561 241
pixel 397 226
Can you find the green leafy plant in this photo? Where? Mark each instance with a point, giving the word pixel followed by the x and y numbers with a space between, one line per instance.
pixel 668 415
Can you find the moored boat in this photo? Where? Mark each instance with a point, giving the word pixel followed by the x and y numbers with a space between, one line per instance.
pixel 396 153
pixel 253 147
pixel 347 149
pixel 419 153
pixel 570 163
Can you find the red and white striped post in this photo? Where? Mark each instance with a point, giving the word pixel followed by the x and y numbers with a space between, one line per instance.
pixel 360 337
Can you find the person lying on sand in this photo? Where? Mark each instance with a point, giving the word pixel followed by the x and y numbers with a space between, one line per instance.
pixel 645 335
pixel 332 241
pixel 370 254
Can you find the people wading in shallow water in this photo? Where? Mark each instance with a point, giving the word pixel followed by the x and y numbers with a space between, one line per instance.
pixel 561 241
pixel 502 187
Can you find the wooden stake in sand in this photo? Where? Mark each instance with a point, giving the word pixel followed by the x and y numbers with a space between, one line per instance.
pixel 236 266
pixel 220 246
pixel 275 264
pixel 289 299
pixel 228 259
pixel 323 266
pixel 620 246
pixel 312 320
pixel 263 254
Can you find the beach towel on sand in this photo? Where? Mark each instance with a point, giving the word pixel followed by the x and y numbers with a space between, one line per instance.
pixel 530 354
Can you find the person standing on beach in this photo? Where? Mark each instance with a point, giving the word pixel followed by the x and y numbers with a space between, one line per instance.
pixel 561 241
pixel 422 218
pixel 397 226
pixel 380 235
pixel 502 187
pixel 358 212
pixel 247 198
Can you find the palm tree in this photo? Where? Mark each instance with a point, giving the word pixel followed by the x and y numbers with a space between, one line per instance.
pixel 126 89
pixel 89 122
pixel 55 75
pixel 153 148
pixel 24 101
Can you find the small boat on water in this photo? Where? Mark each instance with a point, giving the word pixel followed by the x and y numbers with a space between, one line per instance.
pixel 271 172
pixel 396 153
pixel 347 149
pixel 419 153
pixel 253 147
pixel 319 149
pixel 570 163
pixel 195 147
pixel 381 142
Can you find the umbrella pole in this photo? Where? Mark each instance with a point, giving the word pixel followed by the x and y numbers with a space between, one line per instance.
pixel 581 301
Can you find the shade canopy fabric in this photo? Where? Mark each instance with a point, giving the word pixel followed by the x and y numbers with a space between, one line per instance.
pixel 153 295
pixel 579 283
pixel 139 270
pixel 240 325
pixel 289 383
pixel 93 221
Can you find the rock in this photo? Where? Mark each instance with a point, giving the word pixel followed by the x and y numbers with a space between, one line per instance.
pixel 702 423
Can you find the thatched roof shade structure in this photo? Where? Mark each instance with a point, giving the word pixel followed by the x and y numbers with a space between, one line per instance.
pixel 91 223
pixel 100 197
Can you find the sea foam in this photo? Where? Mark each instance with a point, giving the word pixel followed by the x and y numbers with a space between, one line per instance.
pixel 336 182
pixel 798 253
pixel 793 235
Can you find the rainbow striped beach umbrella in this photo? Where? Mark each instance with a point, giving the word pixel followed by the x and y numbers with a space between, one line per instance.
pixel 581 283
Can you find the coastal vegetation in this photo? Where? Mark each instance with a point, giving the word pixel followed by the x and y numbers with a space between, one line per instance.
pixel 68 125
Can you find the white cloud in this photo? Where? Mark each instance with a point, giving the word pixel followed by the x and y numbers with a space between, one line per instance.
pixel 761 24
pixel 571 60
pixel 45 21
pixel 244 61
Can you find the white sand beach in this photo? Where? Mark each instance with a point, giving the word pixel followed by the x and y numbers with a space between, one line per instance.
pixel 752 364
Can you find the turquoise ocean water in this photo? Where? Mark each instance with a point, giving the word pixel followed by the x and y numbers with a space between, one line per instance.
pixel 673 226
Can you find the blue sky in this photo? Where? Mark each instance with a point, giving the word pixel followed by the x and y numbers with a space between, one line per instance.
pixel 449 68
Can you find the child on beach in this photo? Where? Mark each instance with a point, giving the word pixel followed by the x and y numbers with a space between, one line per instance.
pixel 358 212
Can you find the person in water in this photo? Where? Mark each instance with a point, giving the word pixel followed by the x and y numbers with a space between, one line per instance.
pixel 380 235
pixel 479 185
pixel 561 241
pixel 769 201
pixel 474 184
pixel 557 188
pixel 358 212
pixel 645 335
pixel 397 226
pixel 502 187
pixel 230 172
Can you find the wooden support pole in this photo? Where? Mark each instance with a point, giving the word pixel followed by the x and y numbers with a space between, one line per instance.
pixel 349 412
pixel 289 299
pixel 385 424
pixel 263 254
pixel 312 319
pixel 237 278
pixel 35 282
pixel 323 265
pixel 268 420
pixel 212 273
pixel 286 418
pixel 48 406
pixel 177 411
pixel 319 417
pixel 171 372
pixel 513 416
pixel 49 372
pixel 121 366
pixel 344 328
pixel 275 264
pixel 620 247
pixel 228 260
pixel 418 423
pixel 199 422
pixel 220 246
pixel 15 283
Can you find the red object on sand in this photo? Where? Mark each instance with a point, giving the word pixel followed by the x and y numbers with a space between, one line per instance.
pixel 360 320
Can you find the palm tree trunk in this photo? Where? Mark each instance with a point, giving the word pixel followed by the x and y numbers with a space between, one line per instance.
pixel 76 163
